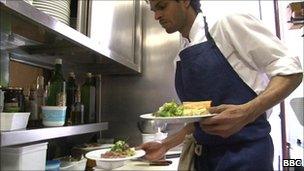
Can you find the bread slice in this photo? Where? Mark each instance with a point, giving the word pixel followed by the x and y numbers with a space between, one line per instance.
pixel 197 105
pixel 196 108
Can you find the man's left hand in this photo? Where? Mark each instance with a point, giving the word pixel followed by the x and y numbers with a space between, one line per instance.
pixel 229 120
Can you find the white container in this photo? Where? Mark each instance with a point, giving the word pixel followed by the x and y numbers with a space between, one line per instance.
pixel 14 121
pixel 53 115
pixel 153 137
pixel 148 137
pixel 74 165
pixel 29 157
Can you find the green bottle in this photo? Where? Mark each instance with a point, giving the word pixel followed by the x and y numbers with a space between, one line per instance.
pixel 71 93
pixel 77 109
pixel 56 90
pixel 88 99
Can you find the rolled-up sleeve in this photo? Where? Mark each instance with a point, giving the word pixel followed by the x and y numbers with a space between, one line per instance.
pixel 259 47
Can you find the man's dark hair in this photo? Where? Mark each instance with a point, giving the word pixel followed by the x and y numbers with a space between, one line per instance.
pixel 196 5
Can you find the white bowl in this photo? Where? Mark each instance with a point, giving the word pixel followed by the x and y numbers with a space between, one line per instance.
pixel 111 163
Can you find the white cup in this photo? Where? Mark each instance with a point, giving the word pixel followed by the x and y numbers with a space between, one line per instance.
pixel 153 137
pixel 160 136
pixel 147 137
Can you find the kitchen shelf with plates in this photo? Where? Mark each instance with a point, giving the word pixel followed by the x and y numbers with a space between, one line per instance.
pixel 37 37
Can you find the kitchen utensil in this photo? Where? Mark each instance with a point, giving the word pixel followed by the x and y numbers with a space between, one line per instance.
pixel 150 126
pixel 160 163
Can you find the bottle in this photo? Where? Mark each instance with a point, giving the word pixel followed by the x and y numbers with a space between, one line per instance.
pixel 71 93
pixel 56 91
pixel 88 99
pixel 40 95
pixel 98 85
pixel 26 94
pixel 33 104
pixel 77 110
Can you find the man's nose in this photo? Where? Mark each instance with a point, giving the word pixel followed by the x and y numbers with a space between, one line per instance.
pixel 157 15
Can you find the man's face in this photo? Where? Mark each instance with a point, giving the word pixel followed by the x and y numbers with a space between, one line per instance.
pixel 169 13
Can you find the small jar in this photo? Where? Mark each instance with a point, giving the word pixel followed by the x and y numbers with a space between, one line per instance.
pixel 13 100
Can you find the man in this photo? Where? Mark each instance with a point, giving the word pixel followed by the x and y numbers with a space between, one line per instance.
pixel 243 69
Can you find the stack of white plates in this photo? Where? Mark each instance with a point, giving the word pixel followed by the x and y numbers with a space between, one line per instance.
pixel 59 9
pixel 29 1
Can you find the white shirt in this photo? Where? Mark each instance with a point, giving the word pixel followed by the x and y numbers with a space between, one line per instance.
pixel 250 48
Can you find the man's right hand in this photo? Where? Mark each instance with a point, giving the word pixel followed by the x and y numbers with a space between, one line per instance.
pixel 154 150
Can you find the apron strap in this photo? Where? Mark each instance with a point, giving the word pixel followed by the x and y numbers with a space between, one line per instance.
pixel 209 37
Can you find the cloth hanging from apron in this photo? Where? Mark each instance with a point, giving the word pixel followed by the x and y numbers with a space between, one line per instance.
pixel 205 74
pixel 186 159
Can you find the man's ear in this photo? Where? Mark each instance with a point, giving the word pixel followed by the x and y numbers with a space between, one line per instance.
pixel 186 3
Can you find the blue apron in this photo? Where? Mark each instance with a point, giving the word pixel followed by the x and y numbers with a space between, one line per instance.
pixel 203 73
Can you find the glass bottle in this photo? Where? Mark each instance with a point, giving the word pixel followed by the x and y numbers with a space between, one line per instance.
pixel 33 103
pixel 71 93
pixel 56 91
pixel 40 95
pixel 77 110
pixel 88 99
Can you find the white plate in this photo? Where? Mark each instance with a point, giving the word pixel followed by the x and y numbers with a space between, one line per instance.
pixel 177 119
pixel 96 155
pixel 62 9
pixel 53 10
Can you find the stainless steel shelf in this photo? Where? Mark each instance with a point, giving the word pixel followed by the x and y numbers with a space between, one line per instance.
pixel 27 136
pixel 55 39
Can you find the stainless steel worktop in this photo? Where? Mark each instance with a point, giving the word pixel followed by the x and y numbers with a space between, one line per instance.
pixel 31 135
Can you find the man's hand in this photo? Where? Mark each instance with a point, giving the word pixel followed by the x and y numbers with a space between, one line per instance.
pixel 229 120
pixel 154 150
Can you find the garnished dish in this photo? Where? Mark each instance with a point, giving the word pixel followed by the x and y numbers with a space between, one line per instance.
pixel 171 112
pixel 115 157
pixel 120 150
pixel 172 109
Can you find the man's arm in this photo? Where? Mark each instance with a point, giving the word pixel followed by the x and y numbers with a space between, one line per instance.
pixel 277 90
pixel 232 118
pixel 178 137
pixel 156 150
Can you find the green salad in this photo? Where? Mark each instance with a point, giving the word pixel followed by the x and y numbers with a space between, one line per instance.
pixel 170 109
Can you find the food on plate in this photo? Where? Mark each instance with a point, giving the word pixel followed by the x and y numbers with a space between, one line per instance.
pixel 120 150
pixel 169 109
pixel 196 108
pixel 172 109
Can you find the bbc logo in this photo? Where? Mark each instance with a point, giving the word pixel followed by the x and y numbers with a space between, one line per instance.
pixel 292 162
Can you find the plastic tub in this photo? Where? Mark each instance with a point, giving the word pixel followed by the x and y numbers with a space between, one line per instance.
pixel 14 121
pixel 26 157
pixel 52 165
pixel 73 164
pixel 53 115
